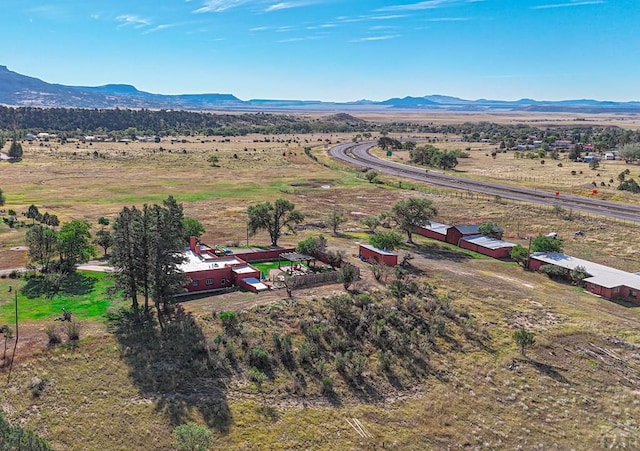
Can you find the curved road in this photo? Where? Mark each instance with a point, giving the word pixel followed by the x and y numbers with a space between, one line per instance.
pixel 358 154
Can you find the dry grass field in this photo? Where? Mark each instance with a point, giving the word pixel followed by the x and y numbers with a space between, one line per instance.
pixel 576 389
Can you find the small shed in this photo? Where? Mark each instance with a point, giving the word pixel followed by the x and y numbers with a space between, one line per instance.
pixel 368 252
pixel 433 230
pixel 456 233
pixel 486 245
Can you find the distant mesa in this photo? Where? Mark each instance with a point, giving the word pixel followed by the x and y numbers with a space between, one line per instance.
pixel 20 90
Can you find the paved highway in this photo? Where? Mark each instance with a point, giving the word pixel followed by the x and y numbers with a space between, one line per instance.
pixel 358 154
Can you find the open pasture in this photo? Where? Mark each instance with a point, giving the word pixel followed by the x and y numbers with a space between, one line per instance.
pixel 82 180
pixel 110 378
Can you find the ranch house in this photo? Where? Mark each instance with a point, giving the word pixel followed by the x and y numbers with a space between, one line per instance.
pixel 208 269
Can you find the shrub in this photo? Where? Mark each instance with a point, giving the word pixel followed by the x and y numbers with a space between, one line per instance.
pixel 327 385
pixel 37 386
pixel 72 330
pixel 230 322
pixel 285 349
pixel 384 361
pixel 53 334
pixel 192 437
pixel 554 272
pixel 17 438
pixel 259 358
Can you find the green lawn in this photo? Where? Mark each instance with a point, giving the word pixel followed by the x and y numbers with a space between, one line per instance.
pixel 85 294
pixel 265 267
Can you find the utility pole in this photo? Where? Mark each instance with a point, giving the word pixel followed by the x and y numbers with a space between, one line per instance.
pixel 15 344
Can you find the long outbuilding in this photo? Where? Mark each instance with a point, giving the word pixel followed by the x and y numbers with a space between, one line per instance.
pixel 610 283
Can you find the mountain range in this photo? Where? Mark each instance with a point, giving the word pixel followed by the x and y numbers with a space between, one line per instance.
pixel 21 90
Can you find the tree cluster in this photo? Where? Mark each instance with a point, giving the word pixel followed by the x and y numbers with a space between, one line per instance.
pixel 431 156
pixel 60 251
pixel 148 246
pixel 69 122
pixel 44 218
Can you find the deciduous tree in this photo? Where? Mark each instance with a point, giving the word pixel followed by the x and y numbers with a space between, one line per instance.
pixel 520 255
pixel 371 222
pixel 411 213
pixel 273 218
pixel 74 244
pixel 43 246
pixel 543 243
pixel 334 219
pixel 387 241
pixel 312 245
pixel 192 227
pixel 491 229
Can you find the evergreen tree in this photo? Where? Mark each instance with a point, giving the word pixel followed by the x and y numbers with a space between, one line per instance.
pixel 166 254
pixel 123 258
pixel 147 253
pixel 15 151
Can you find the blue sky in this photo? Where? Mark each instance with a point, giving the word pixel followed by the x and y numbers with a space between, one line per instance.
pixel 332 50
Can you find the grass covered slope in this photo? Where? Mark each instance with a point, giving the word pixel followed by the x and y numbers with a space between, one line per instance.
pixel 420 367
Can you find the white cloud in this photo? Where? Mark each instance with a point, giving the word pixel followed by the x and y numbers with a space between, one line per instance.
pixel 377 38
pixel 346 19
pixel 448 19
pixel 160 27
pixel 428 4
pixel 284 5
pixel 133 21
pixel 218 6
pixel 569 4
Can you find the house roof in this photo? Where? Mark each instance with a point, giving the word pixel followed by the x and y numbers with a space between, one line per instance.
pixel 488 242
pixel 436 227
pixel 379 251
pixel 471 229
pixel 245 269
pixel 259 286
pixel 601 275
pixel 194 262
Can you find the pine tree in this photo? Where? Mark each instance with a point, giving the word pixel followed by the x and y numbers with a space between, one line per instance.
pixel 15 151
pixel 147 253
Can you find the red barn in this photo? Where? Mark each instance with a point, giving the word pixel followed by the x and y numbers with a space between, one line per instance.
pixel 456 233
pixel 368 252
pixel 487 246
pixel 433 230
